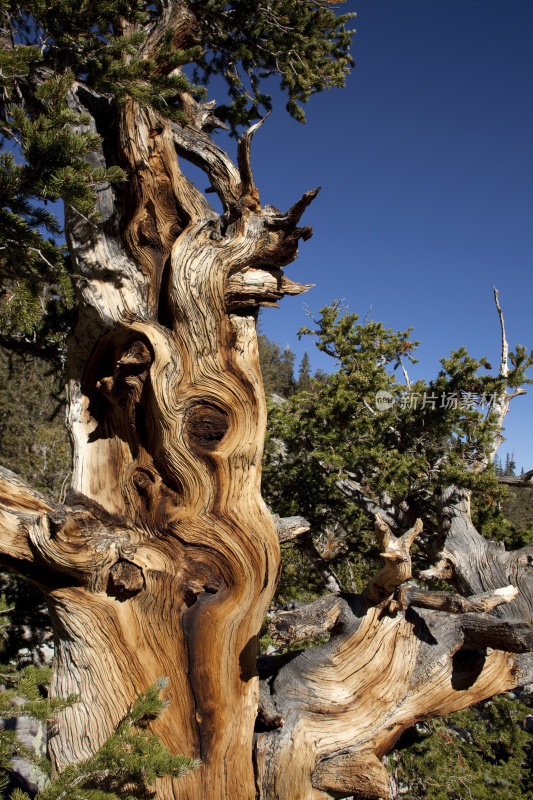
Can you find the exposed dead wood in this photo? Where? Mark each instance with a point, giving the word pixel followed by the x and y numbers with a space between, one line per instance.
pixel 500 406
pixel 166 559
pixel 353 488
pixel 200 149
pixel 455 603
pixel 517 480
pixel 396 558
pixel 256 287
pixel 266 712
pixel 357 773
pixel 314 619
pixel 290 527
pixel 249 192
pixel 395 657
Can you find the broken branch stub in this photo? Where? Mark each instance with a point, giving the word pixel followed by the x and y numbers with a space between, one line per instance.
pixel 396 559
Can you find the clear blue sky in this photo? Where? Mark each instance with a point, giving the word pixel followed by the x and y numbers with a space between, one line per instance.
pixel 426 164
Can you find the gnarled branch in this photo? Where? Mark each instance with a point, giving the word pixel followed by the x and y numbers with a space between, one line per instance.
pixel 396 558
pixel 313 619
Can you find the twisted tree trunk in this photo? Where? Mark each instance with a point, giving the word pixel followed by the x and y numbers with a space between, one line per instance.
pixel 164 558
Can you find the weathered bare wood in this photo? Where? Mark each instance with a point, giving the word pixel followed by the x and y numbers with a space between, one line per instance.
pixel 354 773
pixel 517 480
pixel 160 445
pixel 353 488
pixel 455 603
pixel 249 191
pixel 290 527
pixel 267 713
pixel 502 400
pixel 166 558
pixel 255 287
pixel 313 619
pixel 20 506
pixel 200 149
pixel 386 666
pixel 396 558
pixel 376 675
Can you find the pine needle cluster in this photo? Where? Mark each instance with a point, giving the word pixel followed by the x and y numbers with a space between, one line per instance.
pixel 126 765
pixel 303 42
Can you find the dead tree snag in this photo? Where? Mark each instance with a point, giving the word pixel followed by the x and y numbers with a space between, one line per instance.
pixel 164 558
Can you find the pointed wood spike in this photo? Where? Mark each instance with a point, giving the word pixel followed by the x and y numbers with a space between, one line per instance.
pixel 293 288
pixel 248 187
pixel 277 220
pixel 409 537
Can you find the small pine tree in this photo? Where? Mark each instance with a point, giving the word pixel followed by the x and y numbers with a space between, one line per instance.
pixel 286 376
pixel 304 374
pixel 277 367
pixel 321 376
pixel 510 465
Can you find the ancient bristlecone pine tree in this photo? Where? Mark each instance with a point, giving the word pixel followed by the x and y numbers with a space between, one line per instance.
pixel 164 558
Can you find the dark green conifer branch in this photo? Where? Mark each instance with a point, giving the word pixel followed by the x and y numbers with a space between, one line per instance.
pixel 302 41
pixel 124 767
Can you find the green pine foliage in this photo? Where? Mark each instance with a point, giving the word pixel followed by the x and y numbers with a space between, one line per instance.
pixel 34 444
pixel 33 439
pixel 407 448
pixel 474 754
pixel 126 765
pixel 23 693
pixel 302 41
pixel 430 434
